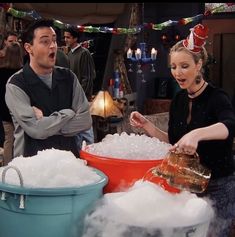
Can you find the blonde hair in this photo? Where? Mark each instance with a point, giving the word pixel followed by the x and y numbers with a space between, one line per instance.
pixel 178 47
pixel 14 56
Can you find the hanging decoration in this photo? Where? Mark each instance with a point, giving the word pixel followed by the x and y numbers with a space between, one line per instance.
pixel 212 8
pixel 104 29
pixel 141 57
pixel 134 22
pixel 5 6
pixel 119 63
pixel 132 30
pixel 140 54
pixel 33 14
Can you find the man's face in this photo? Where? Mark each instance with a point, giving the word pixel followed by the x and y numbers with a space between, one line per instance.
pixel 43 50
pixel 70 41
pixel 10 39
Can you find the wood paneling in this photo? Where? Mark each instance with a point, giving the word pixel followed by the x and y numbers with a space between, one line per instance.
pixel 221 46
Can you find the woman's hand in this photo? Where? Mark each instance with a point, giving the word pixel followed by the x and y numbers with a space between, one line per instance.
pixel 38 113
pixel 187 144
pixel 137 120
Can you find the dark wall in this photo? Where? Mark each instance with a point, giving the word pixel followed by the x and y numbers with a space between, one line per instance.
pixel 99 51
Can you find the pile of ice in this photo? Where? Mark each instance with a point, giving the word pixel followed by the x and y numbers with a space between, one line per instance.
pixel 145 210
pixel 50 169
pixel 132 147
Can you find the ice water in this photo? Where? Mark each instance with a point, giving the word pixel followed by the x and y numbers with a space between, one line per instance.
pixel 184 172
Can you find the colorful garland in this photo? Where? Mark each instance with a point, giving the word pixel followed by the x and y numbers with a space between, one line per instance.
pixel 104 29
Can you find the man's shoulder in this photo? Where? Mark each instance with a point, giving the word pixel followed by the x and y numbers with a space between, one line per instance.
pixel 16 76
pixel 81 50
pixel 61 70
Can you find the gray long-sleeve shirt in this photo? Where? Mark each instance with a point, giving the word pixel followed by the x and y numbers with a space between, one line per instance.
pixel 66 121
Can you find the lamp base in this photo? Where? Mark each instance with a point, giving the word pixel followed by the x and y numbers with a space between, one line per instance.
pixel 104 126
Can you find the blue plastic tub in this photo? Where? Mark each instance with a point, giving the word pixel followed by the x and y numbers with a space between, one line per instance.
pixel 56 212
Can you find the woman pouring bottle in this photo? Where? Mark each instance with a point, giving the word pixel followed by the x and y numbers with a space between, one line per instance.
pixel 201 120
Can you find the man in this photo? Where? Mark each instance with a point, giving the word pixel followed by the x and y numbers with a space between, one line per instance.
pixel 1 136
pixel 82 64
pixel 47 103
pixel 8 40
pixel 81 61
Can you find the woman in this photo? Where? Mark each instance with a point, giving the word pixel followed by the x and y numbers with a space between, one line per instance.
pixel 201 119
pixel 13 61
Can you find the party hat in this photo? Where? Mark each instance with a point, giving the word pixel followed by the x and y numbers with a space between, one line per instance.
pixel 197 38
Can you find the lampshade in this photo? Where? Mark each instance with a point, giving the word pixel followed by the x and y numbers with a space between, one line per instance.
pixel 103 106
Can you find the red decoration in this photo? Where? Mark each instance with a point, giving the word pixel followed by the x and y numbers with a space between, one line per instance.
pixel 81 29
pixel 5 6
pixel 114 31
pixel 207 13
pixel 164 37
pixel 182 22
pixel 229 4
pixel 148 25
pixel 198 36
pixel 177 37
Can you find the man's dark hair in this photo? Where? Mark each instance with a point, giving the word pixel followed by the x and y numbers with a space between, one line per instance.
pixel 10 33
pixel 73 31
pixel 28 34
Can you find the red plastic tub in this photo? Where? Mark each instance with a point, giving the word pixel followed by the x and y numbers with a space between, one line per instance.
pixel 123 173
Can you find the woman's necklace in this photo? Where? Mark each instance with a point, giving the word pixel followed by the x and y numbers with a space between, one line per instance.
pixel 191 95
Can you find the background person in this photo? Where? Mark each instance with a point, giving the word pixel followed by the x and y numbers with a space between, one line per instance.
pixel 201 119
pixel 1 138
pixel 82 64
pixel 81 61
pixel 13 61
pixel 9 38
